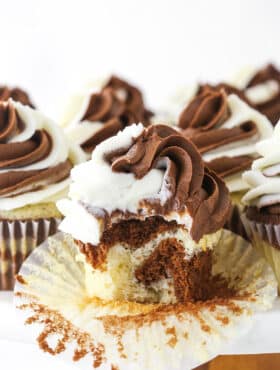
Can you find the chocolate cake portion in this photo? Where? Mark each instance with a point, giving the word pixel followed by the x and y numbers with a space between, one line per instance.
pixel 132 233
pixel 189 276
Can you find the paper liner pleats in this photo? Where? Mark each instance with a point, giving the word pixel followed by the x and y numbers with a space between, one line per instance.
pixel 266 238
pixel 51 297
pixel 17 240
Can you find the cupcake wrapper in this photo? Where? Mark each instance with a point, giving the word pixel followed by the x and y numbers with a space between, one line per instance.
pixel 17 240
pixel 50 294
pixel 266 238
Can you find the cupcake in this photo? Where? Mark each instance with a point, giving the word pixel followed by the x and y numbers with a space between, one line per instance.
pixel 262 200
pixel 98 114
pixel 153 203
pixel 16 94
pixel 34 172
pixel 262 89
pixel 143 276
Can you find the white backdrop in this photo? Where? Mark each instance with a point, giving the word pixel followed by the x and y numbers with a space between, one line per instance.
pixel 49 47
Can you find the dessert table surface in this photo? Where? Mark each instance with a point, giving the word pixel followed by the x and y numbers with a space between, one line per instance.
pixel 17 349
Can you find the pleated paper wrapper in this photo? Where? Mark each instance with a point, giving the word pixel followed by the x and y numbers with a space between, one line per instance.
pixel 18 238
pixel 266 238
pixel 51 299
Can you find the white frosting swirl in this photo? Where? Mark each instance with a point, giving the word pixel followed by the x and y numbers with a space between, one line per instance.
pixel 264 177
pixel 61 150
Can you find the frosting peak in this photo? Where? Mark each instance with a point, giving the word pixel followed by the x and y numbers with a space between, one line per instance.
pixel 141 173
pixel 105 112
pixel 16 94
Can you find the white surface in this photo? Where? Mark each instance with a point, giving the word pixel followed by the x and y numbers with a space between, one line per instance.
pixel 263 338
pixel 47 46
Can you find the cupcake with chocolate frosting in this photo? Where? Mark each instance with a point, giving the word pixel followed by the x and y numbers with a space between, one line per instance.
pixel 262 89
pixel 263 200
pixel 16 94
pixel 100 113
pixel 149 219
pixel 225 130
pixel 35 163
pixel 142 275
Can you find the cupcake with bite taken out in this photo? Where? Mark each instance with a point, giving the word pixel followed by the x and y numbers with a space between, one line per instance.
pixel 262 200
pixel 100 113
pixel 142 275
pixel 225 130
pixel 150 218
pixel 35 163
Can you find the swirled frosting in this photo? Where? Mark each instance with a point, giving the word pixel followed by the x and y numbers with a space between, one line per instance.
pixel 140 173
pixel 264 177
pixel 16 94
pixel 263 91
pixel 225 130
pixel 35 157
pixel 103 113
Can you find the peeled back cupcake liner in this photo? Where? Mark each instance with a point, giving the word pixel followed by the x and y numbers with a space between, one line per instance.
pixel 266 238
pixel 18 238
pixel 51 298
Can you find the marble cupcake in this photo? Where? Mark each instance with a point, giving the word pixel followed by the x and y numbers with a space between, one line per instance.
pixel 263 200
pixel 262 89
pixel 101 112
pixel 225 130
pixel 143 276
pixel 152 202
pixel 35 163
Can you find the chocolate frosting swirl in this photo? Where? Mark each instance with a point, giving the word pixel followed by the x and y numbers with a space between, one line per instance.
pixel 16 155
pixel 16 94
pixel 117 105
pixel 187 186
pixel 202 122
pixel 271 107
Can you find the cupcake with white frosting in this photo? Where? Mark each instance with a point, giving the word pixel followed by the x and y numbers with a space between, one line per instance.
pixel 151 201
pixel 225 130
pixel 102 111
pixel 143 276
pixel 35 163
pixel 263 199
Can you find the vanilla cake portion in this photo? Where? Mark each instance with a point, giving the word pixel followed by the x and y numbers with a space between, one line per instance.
pixel 145 214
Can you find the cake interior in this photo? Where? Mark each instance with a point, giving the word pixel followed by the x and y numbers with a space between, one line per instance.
pixel 148 261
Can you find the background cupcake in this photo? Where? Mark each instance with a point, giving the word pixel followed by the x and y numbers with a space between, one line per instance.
pixel 263 200
pixel 225 130
pixel 100 113
pixel 35 163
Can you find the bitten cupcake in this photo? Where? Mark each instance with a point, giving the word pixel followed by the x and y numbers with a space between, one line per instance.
pixel 150 218
pixel 35 163
pixel 225 130
pixel 16 94
pixel 263 200
pixel 100 113
pixel 262 89
pixel 143 276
